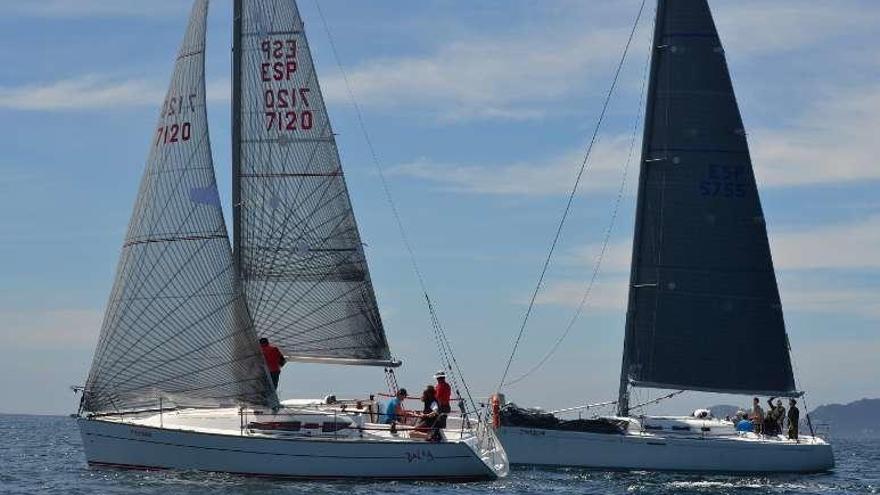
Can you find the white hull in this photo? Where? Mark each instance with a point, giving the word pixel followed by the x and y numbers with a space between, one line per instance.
pixel 137 444
pixel 732 453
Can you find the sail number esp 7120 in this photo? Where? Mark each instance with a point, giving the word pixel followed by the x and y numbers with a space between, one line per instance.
pixel 286 107
pixel 176 107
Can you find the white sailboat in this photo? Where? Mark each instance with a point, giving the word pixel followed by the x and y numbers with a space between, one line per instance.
pixel 704 311
pixel 178 380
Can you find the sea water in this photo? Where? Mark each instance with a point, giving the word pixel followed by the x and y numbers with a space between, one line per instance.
pixel 43 454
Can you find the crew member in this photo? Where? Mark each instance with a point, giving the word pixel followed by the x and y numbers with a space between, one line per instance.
pixel 444 395
pixel 780 416
pixel 757 416
pixel 274 360
pixel 394 410
pixel 427 427
pixel 794 418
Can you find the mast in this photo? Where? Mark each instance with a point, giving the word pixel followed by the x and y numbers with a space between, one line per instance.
pixel 634 282
pixel 236 135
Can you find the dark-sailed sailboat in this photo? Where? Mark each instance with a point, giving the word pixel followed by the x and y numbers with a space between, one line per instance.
pixel 704 312
pixel 178 379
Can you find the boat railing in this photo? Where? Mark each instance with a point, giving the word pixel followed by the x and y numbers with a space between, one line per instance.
pixel 822 430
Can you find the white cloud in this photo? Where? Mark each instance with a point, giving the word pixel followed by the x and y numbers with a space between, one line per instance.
pixel 846 301
pixel 852 246
pixel 84 92
pixel 218 90
pixel 50 329
pixel 550 177
pixel 94 91
pixel 609 294
pixel 617 256
pixel 756 27
pixel 527 76
pixel 832 141
pixel 513 78
pixel 840 246
pixel 94 8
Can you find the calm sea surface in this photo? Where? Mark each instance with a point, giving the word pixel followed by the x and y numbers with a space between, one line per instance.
pixel 43 454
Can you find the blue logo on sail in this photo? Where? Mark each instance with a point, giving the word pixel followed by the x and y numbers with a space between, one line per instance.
pixel 205 195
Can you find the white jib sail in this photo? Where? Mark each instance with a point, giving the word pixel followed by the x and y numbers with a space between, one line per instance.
pixel 176 330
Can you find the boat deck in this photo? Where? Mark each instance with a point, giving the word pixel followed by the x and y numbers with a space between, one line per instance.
pixel 289 423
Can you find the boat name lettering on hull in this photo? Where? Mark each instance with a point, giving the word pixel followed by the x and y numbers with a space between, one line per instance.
pixel 534 433
pixel 419 456
pixel 141 433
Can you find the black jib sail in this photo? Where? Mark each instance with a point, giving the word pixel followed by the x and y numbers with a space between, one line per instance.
pixel 704 310
pixel 176 331
pixel 297 245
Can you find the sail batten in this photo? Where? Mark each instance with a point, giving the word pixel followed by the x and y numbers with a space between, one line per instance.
pixel 704 311
pixel 300 255
pixel 176 331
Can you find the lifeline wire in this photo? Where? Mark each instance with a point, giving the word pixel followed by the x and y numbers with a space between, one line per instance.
pixel 571 196
pixel 440 335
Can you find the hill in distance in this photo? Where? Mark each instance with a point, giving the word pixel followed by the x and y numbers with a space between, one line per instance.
pixel 857 419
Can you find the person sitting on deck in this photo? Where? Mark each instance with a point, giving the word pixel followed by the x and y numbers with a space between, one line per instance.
pixel 427 426
pixel 274 360
pixel 757 415
pixel 744 425
pixel 394 411
pixel 794 418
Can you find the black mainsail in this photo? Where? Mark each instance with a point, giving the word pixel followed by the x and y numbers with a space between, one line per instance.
pixel 176 331
pixel 298 250
pixel 704 311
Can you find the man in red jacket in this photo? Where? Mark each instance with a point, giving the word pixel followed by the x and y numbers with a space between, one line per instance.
pixel 274 360
pixel 444 395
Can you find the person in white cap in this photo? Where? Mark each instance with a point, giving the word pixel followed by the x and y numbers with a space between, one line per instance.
pixel 444 395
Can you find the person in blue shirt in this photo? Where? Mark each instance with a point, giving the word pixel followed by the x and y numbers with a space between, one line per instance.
pixel 745 426
pixel 394 411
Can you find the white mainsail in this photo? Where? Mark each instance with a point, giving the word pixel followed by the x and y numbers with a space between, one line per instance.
pixel 300 256
pixel 176 331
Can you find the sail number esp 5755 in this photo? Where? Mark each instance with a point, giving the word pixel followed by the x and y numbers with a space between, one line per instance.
pixel 286 106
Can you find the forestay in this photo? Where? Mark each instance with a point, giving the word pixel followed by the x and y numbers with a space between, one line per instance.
pixel 704 310
pixel 299 252
pixel 176 330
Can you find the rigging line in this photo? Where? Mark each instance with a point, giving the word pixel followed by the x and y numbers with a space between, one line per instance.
pixel 373 154
pixel 607 237
pixel 571 196
pixel 658 399
pixel 389 198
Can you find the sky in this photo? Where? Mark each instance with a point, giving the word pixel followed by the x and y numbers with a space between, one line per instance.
pixel 479 113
